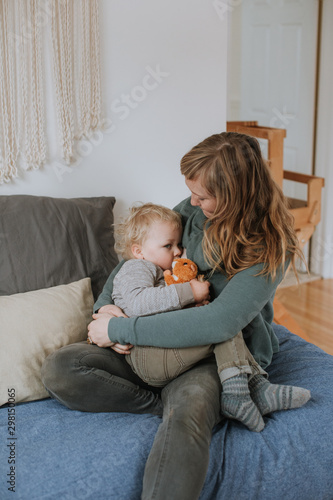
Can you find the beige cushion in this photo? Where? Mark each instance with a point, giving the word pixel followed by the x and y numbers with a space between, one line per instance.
pixel 35 324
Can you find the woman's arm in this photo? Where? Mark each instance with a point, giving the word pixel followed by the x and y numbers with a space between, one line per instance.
pixel 242 299
pixel 105 296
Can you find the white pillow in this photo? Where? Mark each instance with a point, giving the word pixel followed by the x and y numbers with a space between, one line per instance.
pixel 32 326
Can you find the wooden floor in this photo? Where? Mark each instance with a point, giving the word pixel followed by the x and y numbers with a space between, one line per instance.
pixel 311 306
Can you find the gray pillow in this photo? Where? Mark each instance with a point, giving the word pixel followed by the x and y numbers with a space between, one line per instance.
pixel 54 241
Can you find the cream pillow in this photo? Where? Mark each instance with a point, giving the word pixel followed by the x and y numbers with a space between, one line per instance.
pixel 35 324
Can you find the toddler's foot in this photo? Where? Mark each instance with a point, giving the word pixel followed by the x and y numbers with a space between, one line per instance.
pixel 273 397
pixel 236 403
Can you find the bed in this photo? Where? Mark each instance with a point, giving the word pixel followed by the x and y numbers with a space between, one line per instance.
pixel 55 256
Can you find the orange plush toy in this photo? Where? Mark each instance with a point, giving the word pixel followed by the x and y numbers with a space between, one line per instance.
pixel 183 270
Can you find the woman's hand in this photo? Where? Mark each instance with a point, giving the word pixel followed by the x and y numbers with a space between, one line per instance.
pixel 113 310
pixel 122 349
pixel 98 333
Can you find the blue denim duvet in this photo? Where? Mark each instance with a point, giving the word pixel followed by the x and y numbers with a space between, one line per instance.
pixel 64 454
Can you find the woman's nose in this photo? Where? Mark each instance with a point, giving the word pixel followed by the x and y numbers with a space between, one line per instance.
pixel 194 202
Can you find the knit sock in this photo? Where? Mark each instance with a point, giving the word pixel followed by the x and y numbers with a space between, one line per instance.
pixel 236 403
pixel 272 397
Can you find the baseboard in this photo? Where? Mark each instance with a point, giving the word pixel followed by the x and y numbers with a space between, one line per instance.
pixel 303 277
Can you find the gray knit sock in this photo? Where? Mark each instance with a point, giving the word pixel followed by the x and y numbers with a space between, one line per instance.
pixel 236 403
pixel 273 397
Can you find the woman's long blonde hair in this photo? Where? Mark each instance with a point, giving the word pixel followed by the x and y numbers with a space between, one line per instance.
pixel 251 223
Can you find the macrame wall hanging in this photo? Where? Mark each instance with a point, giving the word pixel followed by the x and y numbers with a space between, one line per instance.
pixel 73 26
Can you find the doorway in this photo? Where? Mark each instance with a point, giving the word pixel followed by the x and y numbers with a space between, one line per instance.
pixel 272 61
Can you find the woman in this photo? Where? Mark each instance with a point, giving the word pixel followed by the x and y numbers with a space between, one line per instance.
pixel 238 230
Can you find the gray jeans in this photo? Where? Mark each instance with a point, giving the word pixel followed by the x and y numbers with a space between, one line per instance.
pixel 157 366
pixel 89 378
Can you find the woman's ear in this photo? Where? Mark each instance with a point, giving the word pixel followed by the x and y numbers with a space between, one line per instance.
pixel 136 251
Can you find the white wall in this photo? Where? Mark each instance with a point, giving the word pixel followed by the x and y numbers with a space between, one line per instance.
pixel 234 70
pixel 137 157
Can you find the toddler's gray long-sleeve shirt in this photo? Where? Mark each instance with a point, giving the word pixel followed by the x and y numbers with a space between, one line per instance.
pixel 139 289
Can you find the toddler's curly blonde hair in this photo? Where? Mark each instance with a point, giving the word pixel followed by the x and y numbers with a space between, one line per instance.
pixel 134 228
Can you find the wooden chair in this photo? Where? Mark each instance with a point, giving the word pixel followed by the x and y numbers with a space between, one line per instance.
pixel 307 213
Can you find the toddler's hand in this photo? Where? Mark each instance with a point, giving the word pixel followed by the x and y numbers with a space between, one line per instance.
pixel 200 290
pixel 203 303
pixel 113 310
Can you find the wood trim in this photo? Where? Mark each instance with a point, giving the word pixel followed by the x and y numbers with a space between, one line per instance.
pixel 316 99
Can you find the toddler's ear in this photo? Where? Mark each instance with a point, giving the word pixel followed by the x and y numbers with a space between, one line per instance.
pixel 136 251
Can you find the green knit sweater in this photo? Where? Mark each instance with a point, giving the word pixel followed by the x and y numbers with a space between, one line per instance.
pixel 242 303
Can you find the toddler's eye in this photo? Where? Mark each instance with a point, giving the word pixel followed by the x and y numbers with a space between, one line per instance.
pixel 167 246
